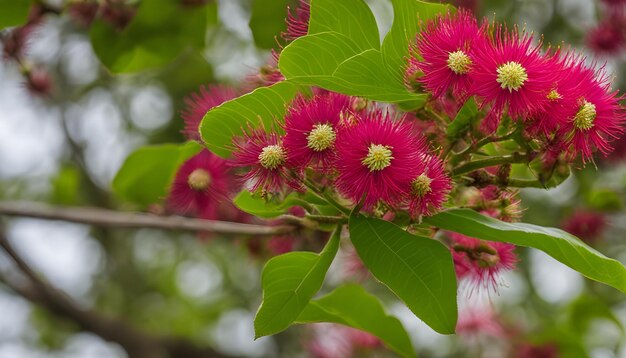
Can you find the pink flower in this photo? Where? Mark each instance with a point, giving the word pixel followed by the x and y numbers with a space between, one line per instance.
pixel 198 104
pixel 585 224
pixel 83 12
pixel 200 185
pixel 378 159
pixel 282 244
pixel 545 350
pixel 263 153
pixel 267 74
pixel 476 321
pixel 511 73
pixel 481 262
pixel 590 114
pixel 312 127
pixel 608 38
pixel 428 190
pixel 297 21
pixel 445 47
pixel 39 82
pixel 337 341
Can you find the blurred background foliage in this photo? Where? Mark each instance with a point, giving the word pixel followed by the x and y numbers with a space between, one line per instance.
pixel 97 83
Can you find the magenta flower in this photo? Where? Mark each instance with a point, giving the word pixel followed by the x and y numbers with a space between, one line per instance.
pixel 263 153
pixel 443 54
pixel 200 185
pixel 198 104
pixel 267 74
pixel 608 38
pixel 510 72
pixel 475 321
pixel 297 21
pixel 428 190
pixel 591 115
pixel 378 159
pixel 585 224
pixel 481 262
pixel 312 127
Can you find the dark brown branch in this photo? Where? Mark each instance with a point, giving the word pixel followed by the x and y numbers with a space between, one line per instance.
pixel 135 342
pixel 110 218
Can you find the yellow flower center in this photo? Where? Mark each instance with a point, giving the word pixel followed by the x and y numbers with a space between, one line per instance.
pixel 511 76
pixel 459 62
pixel 585 116
pixel 272 157
pixel 321 137
pixel 421 185
pixel 199 180
pixel 554 95
pixel 378 157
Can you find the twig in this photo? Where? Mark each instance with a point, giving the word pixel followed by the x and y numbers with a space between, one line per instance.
pixel 135 342
pixel 491 161
pixel 110 218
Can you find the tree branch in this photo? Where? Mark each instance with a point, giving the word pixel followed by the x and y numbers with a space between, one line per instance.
pixel 110 218
pixel 135 342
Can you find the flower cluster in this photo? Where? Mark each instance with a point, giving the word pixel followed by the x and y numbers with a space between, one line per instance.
pixel 553 95
pixel 370 155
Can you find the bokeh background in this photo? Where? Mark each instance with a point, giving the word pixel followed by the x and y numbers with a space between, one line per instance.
pixel 64 146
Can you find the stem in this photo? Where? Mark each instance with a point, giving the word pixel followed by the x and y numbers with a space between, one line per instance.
pixel 491 161
pixel 111 218
pixel 326 219
pixel 325 196
pixel 481 143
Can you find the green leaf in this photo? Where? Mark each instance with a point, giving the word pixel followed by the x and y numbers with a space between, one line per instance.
pixel 267 21
pixel 145 176
pixel 407 15
pixel 557 243
pixel 266 208
pixel 352 306
pixel 466 116
pixel 417 269
pixel 332 61
pixel 604 200
pixel 264 107
pixel 13 12
pixel 66 186
pixel 289 282
pixel 585 309
pixel 350 18
pixel 154 37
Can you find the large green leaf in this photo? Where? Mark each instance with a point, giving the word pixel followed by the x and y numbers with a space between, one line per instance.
pixel 155 36
pixel 267 21
pixel 266 208
pixel 555 242
pixel 407 15
pixel 332 61
pixel 264 106
pixel 464 119
pixel 351 18
pixel 352 306
pixel 417 269
pixel 145 176
pixel 289 282
pixel 13 12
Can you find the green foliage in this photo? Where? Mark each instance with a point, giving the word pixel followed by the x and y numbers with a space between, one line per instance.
pixel 341 52
pixel 604 199
pixel 65 186
pixel 263 107
pixel 467 115
pixel 585 309
pixel 562 246
pixel 268 21
pixel 261 207
pixel 154 37
pixel 289 281
pixel 352 306
pixel 407 15
pixel 417 269
pixel 13 12
pixel 350 18
pixel 145 176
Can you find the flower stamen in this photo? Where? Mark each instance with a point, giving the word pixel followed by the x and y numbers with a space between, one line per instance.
pixel 511 76
pixel 321 137
pixel 378 157
pixel 272 157
pixel 421 185
pixel 459 62
pixel 585 116
pixel 199 180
